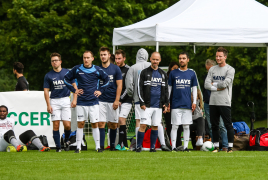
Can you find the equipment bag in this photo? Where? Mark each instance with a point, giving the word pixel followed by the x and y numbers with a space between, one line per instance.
pixel 241 141
pixel 255 135
pixel 31 146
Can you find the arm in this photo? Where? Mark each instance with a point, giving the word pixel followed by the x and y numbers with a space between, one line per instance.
pixel 106 81
pixel 228 79
pixel 166 94
pixel 118 93
pixel 74 102
pixel 68 78
pixel 208 82
pixel 130 82
pixel 140 89
pixel 46 94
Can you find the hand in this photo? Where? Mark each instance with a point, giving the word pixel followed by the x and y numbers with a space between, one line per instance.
pixel 49 109
pixel 193 107
pixel 97 93
pixel 73 104
pixel 115 105
pixel 79 92
pixel 143 107
pixel 220 89
pixel 168 108
pixel 165 109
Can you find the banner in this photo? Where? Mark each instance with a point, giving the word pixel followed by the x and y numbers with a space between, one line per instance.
pixel 29 110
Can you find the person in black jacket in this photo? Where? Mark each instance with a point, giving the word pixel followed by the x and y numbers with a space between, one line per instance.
pixel 22 83
pixel 153 95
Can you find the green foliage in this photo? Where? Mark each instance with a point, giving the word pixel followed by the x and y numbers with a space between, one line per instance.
pixel 7 80
pixel 30 30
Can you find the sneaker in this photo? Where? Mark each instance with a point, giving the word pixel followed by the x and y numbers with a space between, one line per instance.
pixel 152 150
pixel 186 150
pixel 175 150
pixel 224 149
pixel 123 148
pixel 216 150
pixel 165 148
pixel 118 147
pixel 58 150
pixel 99 150
pixel 230 150
pixel 108 147
pixel 138 150
pixel 44 149
pixel 77 151
pixel 19 148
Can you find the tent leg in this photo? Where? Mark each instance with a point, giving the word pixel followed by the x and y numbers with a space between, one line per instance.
pixel 157 46
pixel 113 49
pixel 267 82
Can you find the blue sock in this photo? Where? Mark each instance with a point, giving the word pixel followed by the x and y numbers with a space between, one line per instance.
pixel 56 137
pixel 67 134
pixel 102 136
pixel 140 138
pixel 112 137
pixel 154 135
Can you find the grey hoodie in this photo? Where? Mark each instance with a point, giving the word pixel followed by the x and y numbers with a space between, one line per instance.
pixel 133 73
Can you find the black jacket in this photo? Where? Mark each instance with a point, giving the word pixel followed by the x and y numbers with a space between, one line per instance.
pixel 144 88
pixel 124 98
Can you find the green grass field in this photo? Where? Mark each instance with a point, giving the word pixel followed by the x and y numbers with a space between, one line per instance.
pixel 131 165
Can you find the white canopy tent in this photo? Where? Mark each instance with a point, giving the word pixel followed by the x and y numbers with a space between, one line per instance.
pixel 201 23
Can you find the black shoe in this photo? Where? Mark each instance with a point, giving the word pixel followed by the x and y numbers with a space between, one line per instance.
pixel 113 149
pixel 77 151
pixel 152 150
pixel 186 150
pixel 58 150
pixel 230 150
pixel 99 150
pixel 180 148
pixel 175 150
pixel 66 146
pixel 138 150
pixel 165 148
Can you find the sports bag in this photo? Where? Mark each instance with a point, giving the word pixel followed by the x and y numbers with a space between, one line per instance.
pixel 241 141
pixel 255 135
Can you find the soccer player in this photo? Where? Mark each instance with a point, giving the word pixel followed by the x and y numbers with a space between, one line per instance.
pixel 125 101
pixel 181 81
pixel 22 83
pixel 220 81
pixel 58 105
pixel 7 135
pixel 88 77
pixel 109 100
pixel 153 95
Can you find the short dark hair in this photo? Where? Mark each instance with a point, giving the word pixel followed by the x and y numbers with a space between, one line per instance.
pixel 55 54
pixel 120 51
pixel 112 58
pixel 171 65
pixel 186 53
pixel 87 51
pixel 18 66
pixel 222 49
pixel 3 106
pixel 104 49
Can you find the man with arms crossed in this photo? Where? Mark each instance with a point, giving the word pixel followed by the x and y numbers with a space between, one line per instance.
pixel 180 82
pixel 125 101
pixel 153 95
pixel 220 81
pixel 87 76
pixel 109 100
pixel 58 105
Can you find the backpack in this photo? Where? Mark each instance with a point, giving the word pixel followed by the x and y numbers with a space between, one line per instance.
pixel 72 141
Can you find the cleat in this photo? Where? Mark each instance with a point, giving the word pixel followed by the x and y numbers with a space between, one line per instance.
pixel 216 150
pixel 165 148
pixel 99 150
pixel 186 150
pixel 175 150
pixel 19 148
pixel 230 150
pixel 44 149
pixel 66 146
pixel 113 149
pixel 180 148
pixel 152 150
pixel 138 150
pixel 58 150
pixel 77 151
pixel 108 147
pixel 118 147
pixel 123 149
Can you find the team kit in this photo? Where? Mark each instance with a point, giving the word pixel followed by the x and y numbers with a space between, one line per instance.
pixel 104 95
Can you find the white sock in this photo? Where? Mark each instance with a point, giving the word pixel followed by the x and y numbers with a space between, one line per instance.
pixel 230 145
pixel 108 137
pixel 199 141
pixel 161 135
pixel 173 135
pixel 186 135
pixel 96 136
pixel 137 129
pixel 79 137
pixel 216 144
pixel 37 143
pixel 14 142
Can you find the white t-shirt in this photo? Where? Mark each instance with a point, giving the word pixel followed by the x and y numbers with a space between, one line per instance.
pixel 6 125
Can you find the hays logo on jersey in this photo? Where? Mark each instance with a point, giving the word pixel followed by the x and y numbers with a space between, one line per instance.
pixel 220 78
pixel 59 84
pixel 156 81
pixel 182 83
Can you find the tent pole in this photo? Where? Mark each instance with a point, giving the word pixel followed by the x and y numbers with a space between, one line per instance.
pixel 113 49
pixel 157 46
pixel 267 82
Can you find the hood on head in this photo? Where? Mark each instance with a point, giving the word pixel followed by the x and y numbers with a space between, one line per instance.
pixel 142 55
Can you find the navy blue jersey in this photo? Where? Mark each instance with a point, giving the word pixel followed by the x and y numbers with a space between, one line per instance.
pixel 155 89
pixel 114 73
pixel 181 82
pixel 55 82
pixel 88 80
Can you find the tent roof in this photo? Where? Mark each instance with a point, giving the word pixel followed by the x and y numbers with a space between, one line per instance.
pixel 200 22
